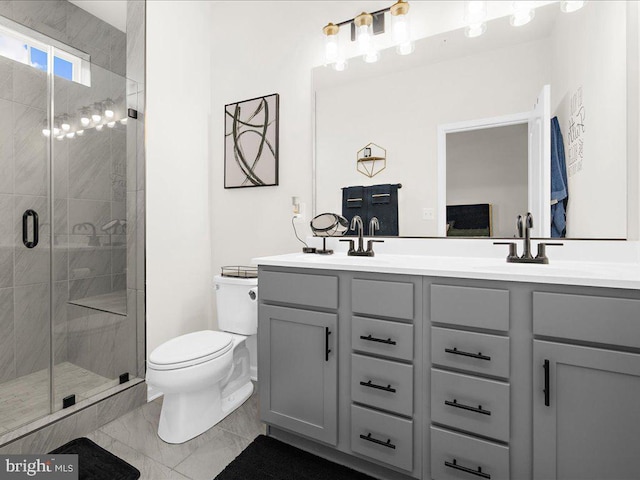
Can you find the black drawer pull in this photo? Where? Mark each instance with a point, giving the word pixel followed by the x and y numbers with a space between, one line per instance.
pixel 388 388
pixel 467 407
pixel 369 338
pixel 327 350
pixel 547 387
pixel 478 355
pixel 369 438
pixel 477 472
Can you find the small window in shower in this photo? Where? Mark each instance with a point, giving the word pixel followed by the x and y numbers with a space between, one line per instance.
pixel 23 49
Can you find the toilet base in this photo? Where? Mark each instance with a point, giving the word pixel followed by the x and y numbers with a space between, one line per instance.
pixel 203 412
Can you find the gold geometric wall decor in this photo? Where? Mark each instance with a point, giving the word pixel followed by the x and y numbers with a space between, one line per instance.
pixel 371 160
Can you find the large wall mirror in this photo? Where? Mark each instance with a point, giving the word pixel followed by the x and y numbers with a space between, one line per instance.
pixel 467 122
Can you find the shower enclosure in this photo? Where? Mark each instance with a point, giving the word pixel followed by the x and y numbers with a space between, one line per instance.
pixel 67 220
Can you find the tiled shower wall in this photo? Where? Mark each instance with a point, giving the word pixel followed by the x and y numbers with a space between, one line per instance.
pixel 22 320
pixel 84 191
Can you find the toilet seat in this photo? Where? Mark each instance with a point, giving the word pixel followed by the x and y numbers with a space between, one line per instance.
pixel 190 349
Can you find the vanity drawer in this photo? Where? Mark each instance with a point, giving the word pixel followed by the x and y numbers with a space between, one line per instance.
pixel 470 306
pixel 476 352
pixel 473 404
pixel 382 384
pixel 383 437
pixel 455 456
pixel 381 298
pixel 299 289
pixel 382 337
pixel 614 321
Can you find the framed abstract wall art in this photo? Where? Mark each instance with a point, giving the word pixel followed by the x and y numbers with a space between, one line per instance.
pixel 251 142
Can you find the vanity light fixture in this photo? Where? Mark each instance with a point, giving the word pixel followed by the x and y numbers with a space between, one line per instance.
pixel 571 6
pixel 401 28
pixel 523 13
pixel 363 29
pixel 475 14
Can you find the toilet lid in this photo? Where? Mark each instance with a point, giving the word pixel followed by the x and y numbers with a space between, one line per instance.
pixel 191 349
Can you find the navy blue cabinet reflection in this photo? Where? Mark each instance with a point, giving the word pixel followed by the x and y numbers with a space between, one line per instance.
pixel 373 201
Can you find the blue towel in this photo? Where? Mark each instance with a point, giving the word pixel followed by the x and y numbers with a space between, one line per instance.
pixel 559 185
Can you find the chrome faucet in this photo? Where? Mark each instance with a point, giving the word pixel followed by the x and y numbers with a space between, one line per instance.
pixel 356 222
pixel 374 225
pixel 524 226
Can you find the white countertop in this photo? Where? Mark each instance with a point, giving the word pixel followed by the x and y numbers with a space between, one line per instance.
pixel 595 274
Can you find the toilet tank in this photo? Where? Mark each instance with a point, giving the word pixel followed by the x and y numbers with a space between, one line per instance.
pixel 237 304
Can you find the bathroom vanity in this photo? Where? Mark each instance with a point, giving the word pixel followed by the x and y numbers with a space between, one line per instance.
pixel 408 366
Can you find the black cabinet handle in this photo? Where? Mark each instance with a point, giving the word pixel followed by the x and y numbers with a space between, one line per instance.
pixel 479 356
pixel 369 338
pixel 478 472
pixel 547 387
pixel 369 438
pixel 467 407
pixel 25 230
pixel 388 388
pixel 327 350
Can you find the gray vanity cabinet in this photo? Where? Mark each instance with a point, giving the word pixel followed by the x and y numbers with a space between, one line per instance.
pixel 297 354
pixel 587 424
pixel 586 409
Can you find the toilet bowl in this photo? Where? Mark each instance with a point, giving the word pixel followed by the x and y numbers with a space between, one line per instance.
pixel 205 375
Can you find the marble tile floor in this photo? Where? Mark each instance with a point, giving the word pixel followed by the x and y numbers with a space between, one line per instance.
pixel 133 437
pixel 26 398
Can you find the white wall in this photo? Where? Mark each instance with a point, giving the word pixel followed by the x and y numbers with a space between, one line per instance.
pixel 590 52
pixel 178 220
pixel 490 166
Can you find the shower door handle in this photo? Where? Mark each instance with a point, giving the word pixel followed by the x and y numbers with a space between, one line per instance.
pixel 25 229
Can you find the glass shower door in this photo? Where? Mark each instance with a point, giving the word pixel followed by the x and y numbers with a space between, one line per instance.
pixel 25 233
pixel 94 332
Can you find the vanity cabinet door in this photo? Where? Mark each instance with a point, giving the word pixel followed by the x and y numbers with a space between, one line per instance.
pixel 297 353
pixel 586 412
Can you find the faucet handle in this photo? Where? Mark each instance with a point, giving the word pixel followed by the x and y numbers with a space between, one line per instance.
pixel 351 244
pixel 513 249
pixel 370 246
pixel 542 250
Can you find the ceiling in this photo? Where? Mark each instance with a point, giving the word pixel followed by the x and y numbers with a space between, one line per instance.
pixel 114 12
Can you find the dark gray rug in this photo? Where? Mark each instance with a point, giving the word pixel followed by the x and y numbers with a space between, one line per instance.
pixel 96 463
pixel 270 459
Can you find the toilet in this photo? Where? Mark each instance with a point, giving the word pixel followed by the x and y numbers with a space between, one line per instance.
pixel 206 375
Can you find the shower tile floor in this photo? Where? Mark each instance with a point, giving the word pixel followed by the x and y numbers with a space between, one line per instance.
pixel 134 438
pixel 26 398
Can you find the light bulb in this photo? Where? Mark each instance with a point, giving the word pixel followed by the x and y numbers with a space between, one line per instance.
pixel 372 56
pixel 364 32
pixel 56 131
pixel 475 13
pixel 99 127
pixel 96 118
pixel 523 13
pixel 71 134
pixel 80 132
pixel 60 137
pixel 340 65
pixel 96 113
pixel 405 48
pixel 331 42
pixel 85 121
pixel 123 121
pixel 111 124
pixel 85 117
pixel 571 6
pixel 475 30
pixel 46 132
pixel 108 108
pixel 65 126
